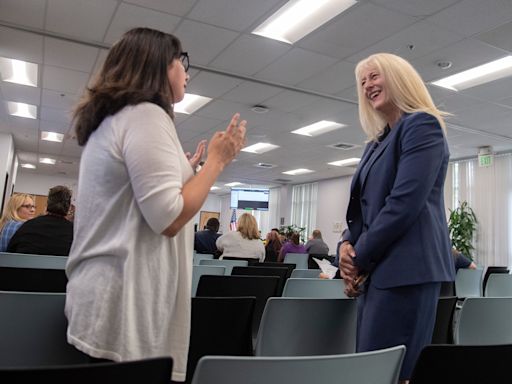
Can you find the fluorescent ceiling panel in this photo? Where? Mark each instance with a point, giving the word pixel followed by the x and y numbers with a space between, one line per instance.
pixel 191 103
pixel 318 128
pixel 260 148
pixel 47 160
pixel 297 18
pixel 346 162
pixel 28 166
pixel 18 71
pixel 299 171
pixel 52 136
pixel 484 73
pixel 233 184
pixel 22 110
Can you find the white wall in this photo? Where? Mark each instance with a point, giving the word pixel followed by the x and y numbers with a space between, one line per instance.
pixel 6 164
pixel 212 204
pixel 333 198
pixel 34 184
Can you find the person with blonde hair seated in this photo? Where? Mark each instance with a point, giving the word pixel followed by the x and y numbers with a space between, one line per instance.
pixel 18 209
pixel 244 242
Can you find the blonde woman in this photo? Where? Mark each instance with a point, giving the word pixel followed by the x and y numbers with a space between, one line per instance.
pixel 18 209
pixel 397 235
pixel 244 242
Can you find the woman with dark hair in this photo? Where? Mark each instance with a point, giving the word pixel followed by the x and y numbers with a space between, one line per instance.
pixel 130 265
pixel 273 246
pixel 291 246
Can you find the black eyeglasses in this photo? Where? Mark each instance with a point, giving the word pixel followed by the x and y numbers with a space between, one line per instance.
pixel 184 60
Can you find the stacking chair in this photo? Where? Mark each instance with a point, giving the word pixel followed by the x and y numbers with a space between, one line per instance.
pixel 299 259
pixel 200 270
pixel 382 366
pixel 272 264
pixel 280 272
pixel 491 270
pixel 261 287
pixel 306 327
pixel 250 260
pixel 462 364
pixel 320 288
pixel 468 283
pixel 499 285
pixel 228 264
pixel 32 273
pixel 220 326
pixel 443 329
pixel 305 273
pixel 156 370
pixel 485 321
pixel 33 330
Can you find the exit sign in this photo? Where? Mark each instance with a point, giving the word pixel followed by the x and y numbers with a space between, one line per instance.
pixel 485 160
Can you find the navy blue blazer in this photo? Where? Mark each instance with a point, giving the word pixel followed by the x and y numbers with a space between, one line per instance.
pixel 396 215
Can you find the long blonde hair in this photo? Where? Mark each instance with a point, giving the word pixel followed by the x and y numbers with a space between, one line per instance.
pixel 11 208
pixel 248 227
pixel 405 87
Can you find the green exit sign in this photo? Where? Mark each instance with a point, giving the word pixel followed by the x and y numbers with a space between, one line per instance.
pixel 485 160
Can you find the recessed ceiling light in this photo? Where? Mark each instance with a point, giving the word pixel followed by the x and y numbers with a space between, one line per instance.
pixel 47 160
pixel 22 110
pixel 52 136
pixel 318 128
pixel 299 171
pixel 191 103
pixel 260 148
pixel 18 72
pixel 233 184
pixel 346 162
pixel 484 73
pixel 297 18
pixel 28 166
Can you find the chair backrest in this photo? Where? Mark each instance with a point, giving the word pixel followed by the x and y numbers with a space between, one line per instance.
pixel 305 273
pixel 499 285
pixel 202 256
pixel 447 289
pixel 156 370
pixel 382 366
pixel 261 287
pixel 23 260
pixel 485 320
pixel 468 283
pixel 200 270
pixel 280 272
pixel 220 326
pixel 33 279
pixel 306 327
pixel 492 269
pixel 320 288
pixel 299 259
pixel 250 260
pixel 229 264
pixel 443 328
pixel 33 330
pixel 290 267
pixel 460 364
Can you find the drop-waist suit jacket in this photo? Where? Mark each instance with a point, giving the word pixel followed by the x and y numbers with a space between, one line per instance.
pixel 396 215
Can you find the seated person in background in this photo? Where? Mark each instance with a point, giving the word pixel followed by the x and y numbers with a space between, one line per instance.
pixel 204 241
pixel 18 209
pixel 244 242
pixel 462 261
pixel 292 246
pixel 273 246
pixel 50 234
pixel 316 244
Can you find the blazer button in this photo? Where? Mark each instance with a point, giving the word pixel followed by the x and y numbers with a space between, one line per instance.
pixel 350 221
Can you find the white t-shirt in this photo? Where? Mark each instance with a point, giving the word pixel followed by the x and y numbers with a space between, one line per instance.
pixel 129 289
pixel 232 244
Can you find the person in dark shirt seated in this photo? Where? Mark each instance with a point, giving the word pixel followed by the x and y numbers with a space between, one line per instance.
pixel 49 234
pixel 462 261
pixel 204 241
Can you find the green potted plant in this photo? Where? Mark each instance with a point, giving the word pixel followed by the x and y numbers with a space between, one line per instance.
pixel 462 225
pixel 288 230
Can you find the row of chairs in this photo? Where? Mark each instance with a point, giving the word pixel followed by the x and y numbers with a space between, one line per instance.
pixel 493 282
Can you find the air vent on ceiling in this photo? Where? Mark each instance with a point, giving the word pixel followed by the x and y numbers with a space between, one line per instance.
pixel 344 146
pixel 265 165
pixel 282 180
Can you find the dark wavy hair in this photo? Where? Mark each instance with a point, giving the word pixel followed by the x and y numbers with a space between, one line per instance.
pixel 134 71
pixel 59 200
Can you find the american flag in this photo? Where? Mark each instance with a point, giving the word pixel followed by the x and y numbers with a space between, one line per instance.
pixel 232 223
